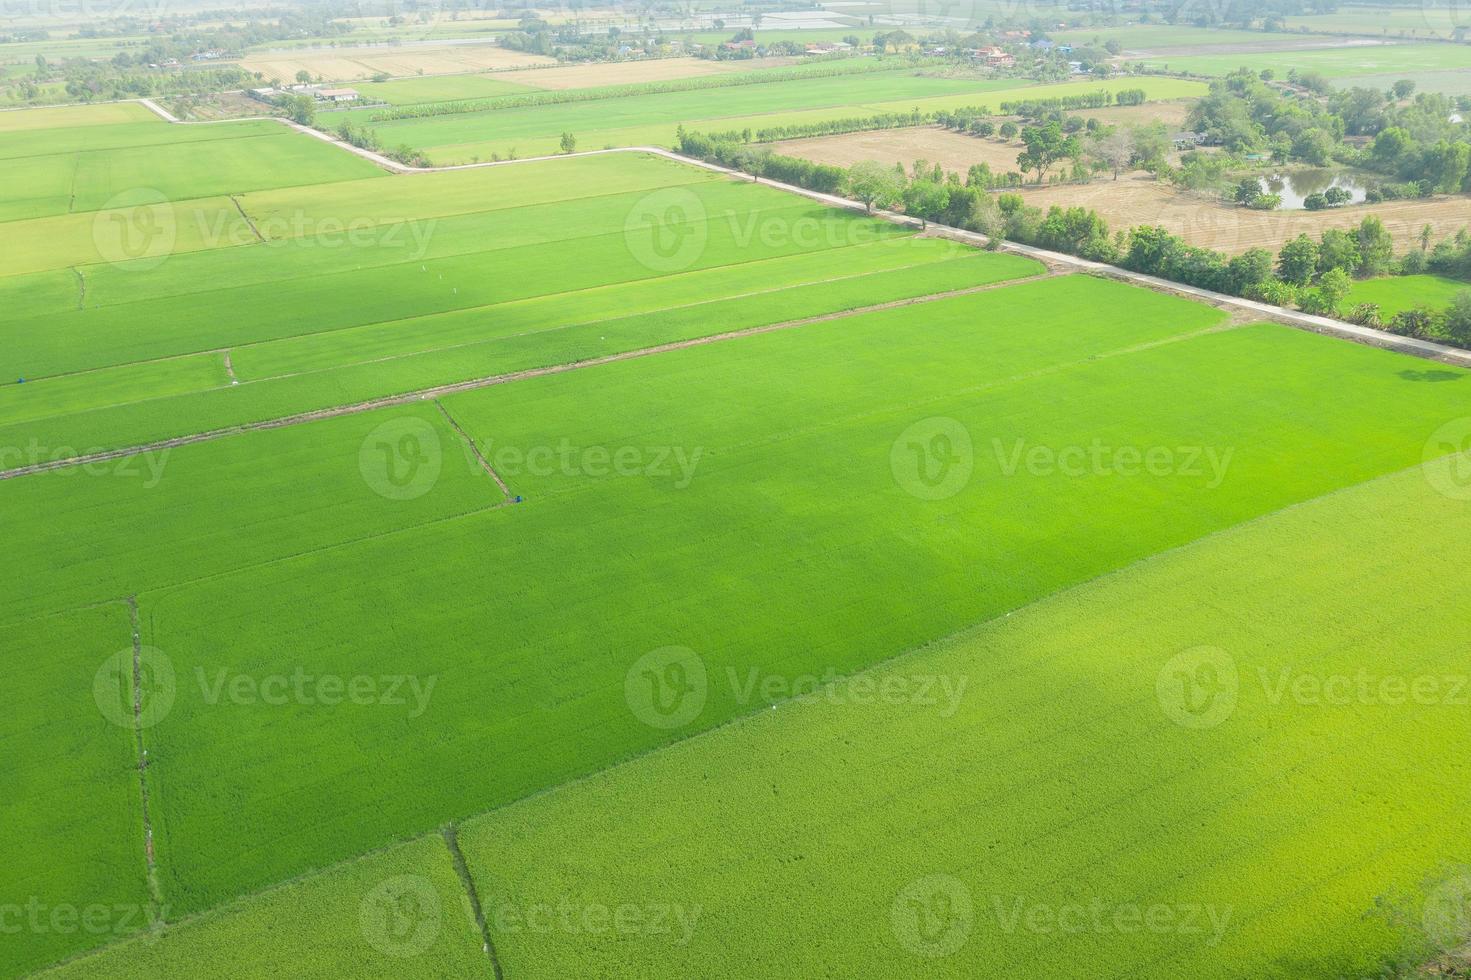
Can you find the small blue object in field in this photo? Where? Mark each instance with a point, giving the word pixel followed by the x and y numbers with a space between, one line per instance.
pixel 20 381
pixel 518 498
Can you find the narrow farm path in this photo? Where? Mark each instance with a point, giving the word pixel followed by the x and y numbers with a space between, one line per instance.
pixel 451 834
pixel 247 219
pixel 155 892
pixel 473 448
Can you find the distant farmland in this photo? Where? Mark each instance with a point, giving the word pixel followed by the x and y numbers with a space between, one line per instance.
pixel 392 556
pixel 651 119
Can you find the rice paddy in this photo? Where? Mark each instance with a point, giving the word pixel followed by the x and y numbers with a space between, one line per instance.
pixel 400 568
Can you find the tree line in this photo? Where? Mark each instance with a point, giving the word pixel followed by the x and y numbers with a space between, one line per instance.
pixel 1314 275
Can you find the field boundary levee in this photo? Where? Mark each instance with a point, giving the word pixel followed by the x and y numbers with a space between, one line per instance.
pixel 135 625
pixel 451 835
pixel 474 450
pixel 1307 321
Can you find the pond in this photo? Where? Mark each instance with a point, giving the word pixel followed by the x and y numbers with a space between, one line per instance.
pixel 1295 186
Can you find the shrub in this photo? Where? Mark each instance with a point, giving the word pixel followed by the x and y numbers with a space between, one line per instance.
pixel 1365 314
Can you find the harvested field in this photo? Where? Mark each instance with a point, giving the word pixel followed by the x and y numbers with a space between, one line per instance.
pixel 1202 221
pixel 628 72
pixel 349 64
pixel 1173 114
pixel 951 150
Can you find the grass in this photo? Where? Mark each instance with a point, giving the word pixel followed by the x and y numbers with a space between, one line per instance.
pixel 440 88
pixel 163 233
pixel 107 114
pixel 746 499
pixel 1332 62
pixel 1052 779
pixel 191 170
pixel 351 366
pixel 178 492
pixel 1420 20
pixel 788 471
pixel 138 231
pixel 401 913
pixel 1451 82
pixel 1140 37
pixel 73 393
pixel 671 108
pixel 418 285
pixel 86 168
pixel 1396 293
pixel 337 322
pixel 73 843
pixel 652 119
pixel 59 135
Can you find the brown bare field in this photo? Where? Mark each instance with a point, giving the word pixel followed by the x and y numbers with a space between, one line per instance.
pixel 350 64
pixel 1202 221
pixel 625 72
pixel 954 151
pixel 1172 114
pixel 1136 199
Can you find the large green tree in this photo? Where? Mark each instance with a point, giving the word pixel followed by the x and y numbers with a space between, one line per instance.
pixel 1045 146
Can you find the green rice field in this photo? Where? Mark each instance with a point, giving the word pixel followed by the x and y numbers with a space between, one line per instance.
pixel 1036 777
pixel 1397 293
pixel 1434 18
pixel 651 120
pixel 441 88
pixel 1333 63
pixel 604 566
pixel 66 168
